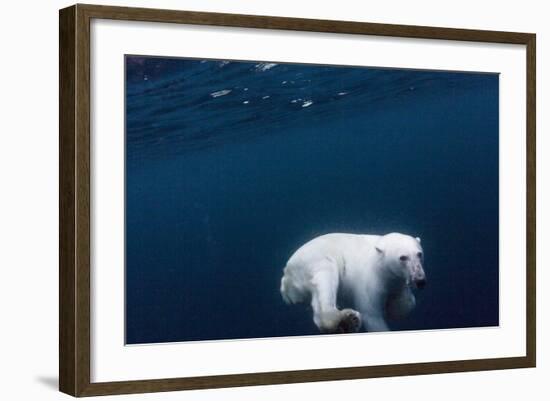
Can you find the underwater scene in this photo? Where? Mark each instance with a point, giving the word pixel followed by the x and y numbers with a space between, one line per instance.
pixel 232 166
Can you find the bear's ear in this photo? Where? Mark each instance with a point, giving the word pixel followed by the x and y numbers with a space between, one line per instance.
pixel 379 250
pixel 418 239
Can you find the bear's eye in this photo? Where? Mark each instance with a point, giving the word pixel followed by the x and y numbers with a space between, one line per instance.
pixel 419 254
pixel 403 258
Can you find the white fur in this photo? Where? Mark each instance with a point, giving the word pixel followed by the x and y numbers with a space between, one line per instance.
pixel 361 272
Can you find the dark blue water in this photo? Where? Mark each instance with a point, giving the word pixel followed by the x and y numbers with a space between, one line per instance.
pixel 231 166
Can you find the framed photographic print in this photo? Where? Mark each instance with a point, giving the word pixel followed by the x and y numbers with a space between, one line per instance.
pixel 251 200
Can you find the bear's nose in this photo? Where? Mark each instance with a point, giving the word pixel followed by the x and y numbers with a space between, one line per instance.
pixel 421 283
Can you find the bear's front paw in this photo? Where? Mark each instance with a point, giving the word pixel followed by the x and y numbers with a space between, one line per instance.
pixel 350 321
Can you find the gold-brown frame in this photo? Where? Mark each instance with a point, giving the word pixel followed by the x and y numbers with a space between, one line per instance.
pixel 74 199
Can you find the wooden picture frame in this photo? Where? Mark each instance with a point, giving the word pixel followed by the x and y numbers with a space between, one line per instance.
pixel 74 200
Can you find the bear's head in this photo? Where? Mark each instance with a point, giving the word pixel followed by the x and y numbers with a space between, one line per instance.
pixel 403 258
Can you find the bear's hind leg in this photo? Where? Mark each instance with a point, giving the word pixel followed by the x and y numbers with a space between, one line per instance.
pixel 327 317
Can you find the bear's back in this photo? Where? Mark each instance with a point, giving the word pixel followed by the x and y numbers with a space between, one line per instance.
pixel 335 245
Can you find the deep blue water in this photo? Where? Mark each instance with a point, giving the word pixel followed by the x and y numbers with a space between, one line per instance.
pixel 231 166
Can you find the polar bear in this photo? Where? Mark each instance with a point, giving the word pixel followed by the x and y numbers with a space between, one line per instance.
pixel 371 275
